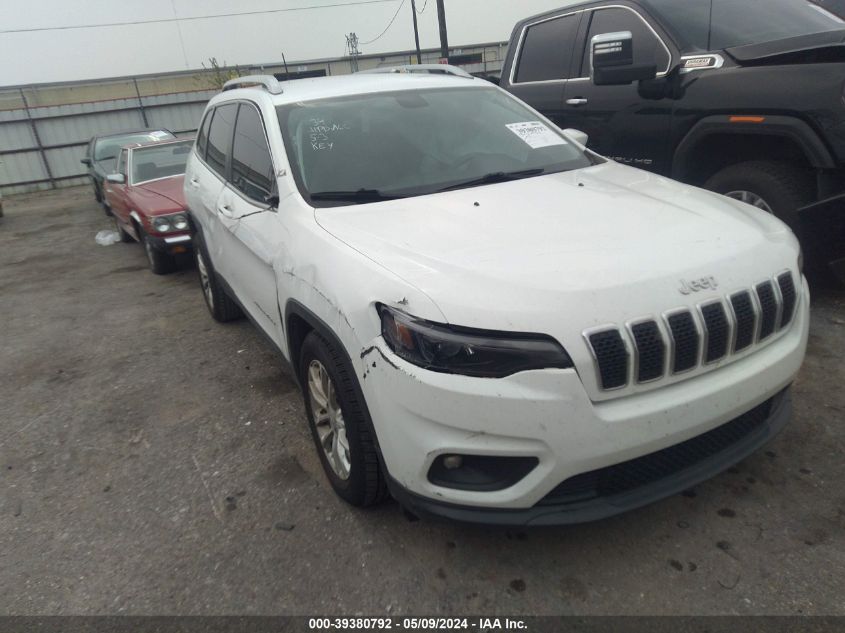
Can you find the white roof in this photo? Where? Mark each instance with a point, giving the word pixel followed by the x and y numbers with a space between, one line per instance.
pixel 360 83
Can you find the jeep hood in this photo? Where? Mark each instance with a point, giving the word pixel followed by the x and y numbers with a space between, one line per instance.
pixel 792 49
pixel 613 237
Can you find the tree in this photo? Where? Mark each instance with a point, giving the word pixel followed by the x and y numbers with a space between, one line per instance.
pixel 217 75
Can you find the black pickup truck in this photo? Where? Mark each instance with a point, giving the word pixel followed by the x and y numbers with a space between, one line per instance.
pixel 743 97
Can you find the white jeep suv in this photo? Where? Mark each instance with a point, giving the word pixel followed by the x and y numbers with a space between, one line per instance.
pixel 487 320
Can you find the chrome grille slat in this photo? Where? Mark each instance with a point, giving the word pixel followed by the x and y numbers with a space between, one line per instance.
pixel 789 297
pixel 768 309
pixel 745 318
pixel 648 349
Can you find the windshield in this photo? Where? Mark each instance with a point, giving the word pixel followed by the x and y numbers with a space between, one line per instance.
pixel 708 25
pixel 369 147
pixel 160 161
pixel 109 147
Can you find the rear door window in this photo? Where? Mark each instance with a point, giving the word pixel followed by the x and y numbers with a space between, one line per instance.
pixel 547 47
pixel 252 167
pixel 648 48
pixel 220 137
pixel 202 135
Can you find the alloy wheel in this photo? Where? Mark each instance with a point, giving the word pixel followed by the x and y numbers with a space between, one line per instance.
pixel 205 279
pixel 328 419
pixel 749 197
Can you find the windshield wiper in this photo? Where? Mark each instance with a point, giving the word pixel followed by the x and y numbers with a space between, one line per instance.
pixel 360 196
pixel 494 177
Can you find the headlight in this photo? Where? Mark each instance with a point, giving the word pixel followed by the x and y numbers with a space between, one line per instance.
pixel 179 221
pixel 161 224
pixel 169 223
pixel 470 352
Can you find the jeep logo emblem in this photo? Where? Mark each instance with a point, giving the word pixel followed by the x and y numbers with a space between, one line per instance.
pixel 697 285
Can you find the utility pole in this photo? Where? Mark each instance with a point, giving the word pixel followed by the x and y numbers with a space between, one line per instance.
pixel 416 30
pixel 352 46
pixel 444 40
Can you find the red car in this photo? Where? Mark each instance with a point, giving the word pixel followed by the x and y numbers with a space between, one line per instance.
pixel 145 199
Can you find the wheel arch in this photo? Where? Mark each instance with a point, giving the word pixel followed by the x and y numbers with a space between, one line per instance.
pixel 701 153
pixel 301 321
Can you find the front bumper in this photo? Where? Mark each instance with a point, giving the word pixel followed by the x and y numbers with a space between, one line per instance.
pixel 420 415
pixel 172 244
pixel 557 509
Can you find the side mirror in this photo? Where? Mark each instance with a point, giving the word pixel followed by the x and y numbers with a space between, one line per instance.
pixel 577 135
pixel 117 179
pixel 85 161
pixel 612 60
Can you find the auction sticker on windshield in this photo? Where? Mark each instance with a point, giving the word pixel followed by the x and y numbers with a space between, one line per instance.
pixel 536 134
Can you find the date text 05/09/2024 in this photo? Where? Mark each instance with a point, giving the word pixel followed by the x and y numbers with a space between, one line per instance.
pixel 482 625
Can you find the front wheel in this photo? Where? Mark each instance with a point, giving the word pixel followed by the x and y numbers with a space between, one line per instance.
pixel 777 188
pixel 118 226
pixel 161 263
pixel 339 425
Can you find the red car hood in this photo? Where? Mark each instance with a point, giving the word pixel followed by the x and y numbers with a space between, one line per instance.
pixel 160 196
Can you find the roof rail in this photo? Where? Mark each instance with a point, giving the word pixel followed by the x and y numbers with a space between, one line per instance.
pixel 270 83
pixel 435 69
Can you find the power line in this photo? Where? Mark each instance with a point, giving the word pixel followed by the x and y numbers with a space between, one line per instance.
pixel 199 17
pixel 392 20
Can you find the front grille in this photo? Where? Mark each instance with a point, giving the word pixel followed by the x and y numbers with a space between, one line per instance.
pixel 789 297
pixel 711 332
pixel 685 338
pixel 746 320
pixel 651 351
pixel 718 331
pixel 768 308
pixel 648 469
pixel 612 357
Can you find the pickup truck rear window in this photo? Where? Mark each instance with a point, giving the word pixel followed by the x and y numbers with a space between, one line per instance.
pixel 709 25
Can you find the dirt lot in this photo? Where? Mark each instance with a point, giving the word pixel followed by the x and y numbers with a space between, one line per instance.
pixel 154 461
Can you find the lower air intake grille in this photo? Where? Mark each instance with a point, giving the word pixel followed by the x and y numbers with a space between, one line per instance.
pixel 768 308
pixel 651 468
pixel 685 335
pixel 745 319
pixel 612 358
pixel 787 291
pixel 718 331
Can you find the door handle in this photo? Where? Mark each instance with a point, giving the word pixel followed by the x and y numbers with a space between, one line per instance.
pixel 578 101
pixel 225 210
pixel 194 182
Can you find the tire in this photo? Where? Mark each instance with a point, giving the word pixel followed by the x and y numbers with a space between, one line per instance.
pixel 124 236
pixel 782 187
pixel 98 194
pixel 222 307
pixel 364 484
pixel 160 263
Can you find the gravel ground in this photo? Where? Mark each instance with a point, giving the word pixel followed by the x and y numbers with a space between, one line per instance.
pixel 156 462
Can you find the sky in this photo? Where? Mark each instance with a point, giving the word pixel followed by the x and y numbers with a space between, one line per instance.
pixel 37 45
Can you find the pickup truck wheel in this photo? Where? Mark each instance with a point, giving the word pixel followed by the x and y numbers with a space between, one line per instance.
pixel 338 424
pixel 160 263
pixel 778 188
pixel 221 305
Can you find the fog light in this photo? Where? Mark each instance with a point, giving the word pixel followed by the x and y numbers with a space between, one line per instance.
pixel 451 462
pixel 483 473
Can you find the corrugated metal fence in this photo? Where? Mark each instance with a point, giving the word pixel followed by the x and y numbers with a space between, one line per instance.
pixel 41 147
